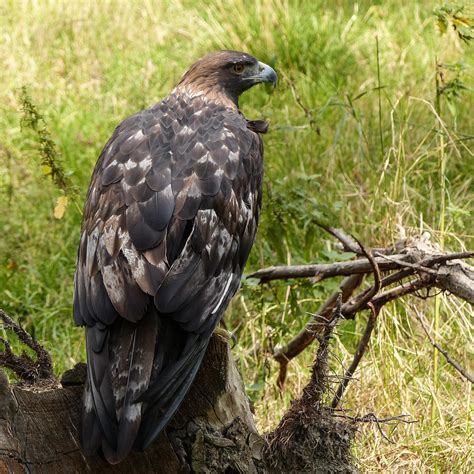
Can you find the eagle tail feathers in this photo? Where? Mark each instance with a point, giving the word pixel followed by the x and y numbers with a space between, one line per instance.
pixel 90 433
pixel 98 402
pixel 118 373
pixel 138 376
pixel 171 392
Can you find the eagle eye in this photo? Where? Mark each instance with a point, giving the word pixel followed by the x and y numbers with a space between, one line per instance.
pixel 238 68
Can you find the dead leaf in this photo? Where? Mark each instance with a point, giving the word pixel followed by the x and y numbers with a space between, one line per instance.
pixel 60 208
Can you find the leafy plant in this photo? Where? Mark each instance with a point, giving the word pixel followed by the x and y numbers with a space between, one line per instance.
pixel 455 17
pixel 47 149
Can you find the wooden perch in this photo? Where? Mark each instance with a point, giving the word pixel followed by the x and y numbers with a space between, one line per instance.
pixel 213 430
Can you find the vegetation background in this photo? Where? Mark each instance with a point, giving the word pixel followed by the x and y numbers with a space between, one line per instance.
pixel 373 142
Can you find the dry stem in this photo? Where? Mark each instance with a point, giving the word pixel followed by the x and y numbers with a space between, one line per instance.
pixel 24 367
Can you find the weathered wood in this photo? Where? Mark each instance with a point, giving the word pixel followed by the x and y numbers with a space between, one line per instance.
pixel 212 432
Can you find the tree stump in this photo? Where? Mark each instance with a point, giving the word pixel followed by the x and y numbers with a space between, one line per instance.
pixel 213 430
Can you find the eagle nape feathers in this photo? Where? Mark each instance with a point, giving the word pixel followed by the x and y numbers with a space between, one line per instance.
pixel 169 221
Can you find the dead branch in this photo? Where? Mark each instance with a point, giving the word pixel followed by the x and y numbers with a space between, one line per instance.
pixel 419 257
pixel 349 244
pixel 414 266
pixel 445 353
pixel 25 368
pixel 363 300
pixel 409 288
pixel 360 351
pixel 455 277
pixel 321 271
pixel 306 336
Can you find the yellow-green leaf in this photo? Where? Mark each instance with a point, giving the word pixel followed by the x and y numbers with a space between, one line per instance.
pixel 46 170
pixel 60 208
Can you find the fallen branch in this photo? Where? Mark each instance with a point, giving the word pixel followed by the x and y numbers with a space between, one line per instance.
pixel 457 278
pixel 364 299
pixel 321 271
pixel 432 268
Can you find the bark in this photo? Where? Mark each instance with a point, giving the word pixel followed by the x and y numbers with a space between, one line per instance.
pixel 213 430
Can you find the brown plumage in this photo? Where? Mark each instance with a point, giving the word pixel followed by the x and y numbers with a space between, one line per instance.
pixel 169 220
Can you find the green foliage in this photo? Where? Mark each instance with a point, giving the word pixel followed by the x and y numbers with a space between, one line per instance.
pixel 46 147
pixel 450 84
pixel 455 17
pixel 360 137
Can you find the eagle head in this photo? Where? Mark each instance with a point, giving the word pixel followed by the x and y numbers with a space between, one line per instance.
pixel 224 75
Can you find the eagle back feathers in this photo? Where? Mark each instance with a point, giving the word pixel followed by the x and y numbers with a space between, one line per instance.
pixel 169 220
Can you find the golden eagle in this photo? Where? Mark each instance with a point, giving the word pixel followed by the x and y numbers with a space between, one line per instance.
pixel 170 217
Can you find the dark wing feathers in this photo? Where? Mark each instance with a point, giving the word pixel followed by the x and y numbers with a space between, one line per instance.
pixel 169 220
pixel 99 401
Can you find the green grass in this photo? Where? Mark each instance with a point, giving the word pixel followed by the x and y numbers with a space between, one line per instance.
pixel 386 157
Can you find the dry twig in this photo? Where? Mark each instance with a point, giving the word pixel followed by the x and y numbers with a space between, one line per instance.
pixel 349 309
pixel 349 244
pixel 360 351
pixel 372 418
pixel 448 358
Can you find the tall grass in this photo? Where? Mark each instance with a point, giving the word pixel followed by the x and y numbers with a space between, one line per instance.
pixel 393 155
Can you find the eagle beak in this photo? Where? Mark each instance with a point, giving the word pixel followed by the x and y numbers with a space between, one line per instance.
pixel 264 73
